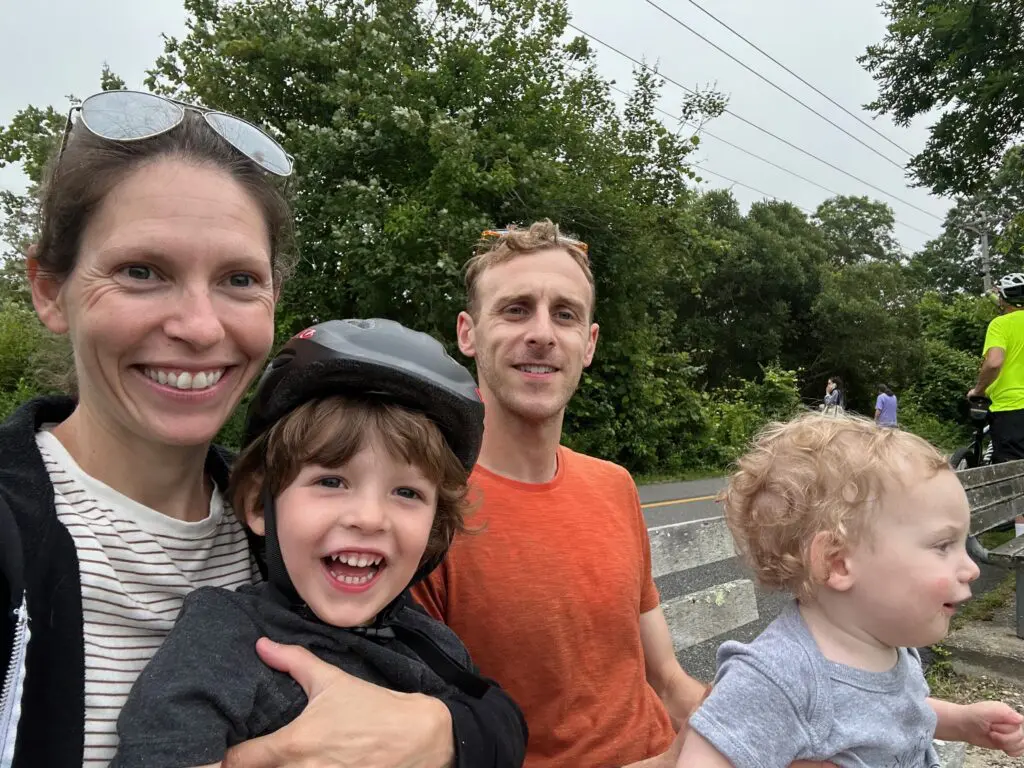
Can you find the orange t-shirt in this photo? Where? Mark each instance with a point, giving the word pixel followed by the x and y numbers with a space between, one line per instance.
pixel 548 597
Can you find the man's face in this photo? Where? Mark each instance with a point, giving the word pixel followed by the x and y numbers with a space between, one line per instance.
pixel 532 336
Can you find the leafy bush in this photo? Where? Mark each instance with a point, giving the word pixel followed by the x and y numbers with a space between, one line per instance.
pixel 10 399
pixel 942 385
pixel 22 336
pixel 736 414
pixel 642 413
pixel 947 436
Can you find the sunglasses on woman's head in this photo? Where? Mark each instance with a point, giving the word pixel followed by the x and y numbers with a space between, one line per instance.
pixel 135 115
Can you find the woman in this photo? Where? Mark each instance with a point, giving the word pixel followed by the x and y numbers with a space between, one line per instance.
pixel 835 401
pixel 885 407
pixel 161 256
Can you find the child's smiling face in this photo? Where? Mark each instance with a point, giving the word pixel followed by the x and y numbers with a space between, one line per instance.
pixel 352 537
pixel 911 570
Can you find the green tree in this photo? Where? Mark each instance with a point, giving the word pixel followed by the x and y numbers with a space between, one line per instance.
pixel 963 58
pixel 952 262
pixel 959 323
pixel 753 304
pixel 867 328
pixel 414 129
pixel 948 265
pixel 857 229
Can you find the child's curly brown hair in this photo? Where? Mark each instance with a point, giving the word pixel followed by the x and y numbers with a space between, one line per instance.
pixel 811 475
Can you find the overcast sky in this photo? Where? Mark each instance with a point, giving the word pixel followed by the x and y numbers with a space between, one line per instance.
pixel 52 48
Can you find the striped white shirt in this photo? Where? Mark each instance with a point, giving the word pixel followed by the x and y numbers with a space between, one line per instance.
pixel 136 567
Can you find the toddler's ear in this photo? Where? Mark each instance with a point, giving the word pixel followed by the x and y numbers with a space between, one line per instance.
pixel 253 511
pixel 829 562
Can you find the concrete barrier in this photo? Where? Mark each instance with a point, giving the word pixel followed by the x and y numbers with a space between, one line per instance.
pixel 699 616
pixel 682 546
pixel 706 613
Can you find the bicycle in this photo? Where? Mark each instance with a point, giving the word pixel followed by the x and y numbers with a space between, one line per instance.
pixel 978 453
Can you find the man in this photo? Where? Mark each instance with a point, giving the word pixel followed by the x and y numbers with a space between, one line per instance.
pixel 554 596
pixel 1001 378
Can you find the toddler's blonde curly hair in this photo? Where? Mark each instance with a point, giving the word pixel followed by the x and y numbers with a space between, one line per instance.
pixel 815 474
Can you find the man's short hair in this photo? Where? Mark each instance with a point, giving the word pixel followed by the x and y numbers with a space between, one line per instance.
pixel 498 248
pixel 816 474
pixel 329 432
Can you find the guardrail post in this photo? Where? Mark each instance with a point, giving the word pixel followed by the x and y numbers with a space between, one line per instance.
pixel 1020 603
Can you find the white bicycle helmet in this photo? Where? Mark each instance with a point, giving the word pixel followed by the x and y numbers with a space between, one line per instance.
pixel 1011 288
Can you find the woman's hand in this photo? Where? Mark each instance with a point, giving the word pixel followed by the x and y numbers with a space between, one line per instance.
pixel 348 723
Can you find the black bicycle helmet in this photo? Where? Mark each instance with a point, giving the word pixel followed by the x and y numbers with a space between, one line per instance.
pixel 373 357
pixel 1011 289
pixel 364 357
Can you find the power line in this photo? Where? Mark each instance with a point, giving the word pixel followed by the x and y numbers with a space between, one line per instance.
pixel 767 55
pixel 753 189
pixel 737 147
pixel 756 156
pixel 755 125
pixel 777 87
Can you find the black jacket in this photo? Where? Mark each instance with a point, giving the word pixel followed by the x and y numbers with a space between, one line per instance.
pixel 38 564
pixel 206 687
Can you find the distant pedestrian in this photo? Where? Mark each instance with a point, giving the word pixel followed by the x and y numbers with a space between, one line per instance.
pixel 835 397
pixel 885 407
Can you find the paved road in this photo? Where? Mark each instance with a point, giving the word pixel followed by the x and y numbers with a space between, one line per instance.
pixel 667 503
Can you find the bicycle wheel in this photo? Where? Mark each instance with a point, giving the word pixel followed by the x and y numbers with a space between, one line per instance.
pixel 962 458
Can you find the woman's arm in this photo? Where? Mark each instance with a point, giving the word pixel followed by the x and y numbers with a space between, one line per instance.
pixel 349 722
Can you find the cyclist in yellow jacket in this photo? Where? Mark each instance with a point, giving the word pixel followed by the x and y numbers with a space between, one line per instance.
pixel 1001 378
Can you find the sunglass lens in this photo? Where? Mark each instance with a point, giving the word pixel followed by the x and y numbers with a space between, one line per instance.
pixel 128 115
pixel 251 142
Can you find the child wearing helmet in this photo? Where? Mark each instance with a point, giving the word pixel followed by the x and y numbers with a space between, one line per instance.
pixel 358 447
pixel 866 528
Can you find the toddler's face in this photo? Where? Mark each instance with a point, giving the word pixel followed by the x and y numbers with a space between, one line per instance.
pixel 352 537
pixel 912 570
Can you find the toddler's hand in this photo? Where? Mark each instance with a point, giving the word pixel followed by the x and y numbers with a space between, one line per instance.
pixel 994 725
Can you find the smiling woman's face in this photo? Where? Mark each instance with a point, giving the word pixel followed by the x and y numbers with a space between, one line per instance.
pixel 170 305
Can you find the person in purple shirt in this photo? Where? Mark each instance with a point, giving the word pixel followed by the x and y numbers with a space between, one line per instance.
pixel 885 407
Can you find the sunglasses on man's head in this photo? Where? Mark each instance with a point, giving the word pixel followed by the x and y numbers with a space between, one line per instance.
pixel 135 115
pixel 503 232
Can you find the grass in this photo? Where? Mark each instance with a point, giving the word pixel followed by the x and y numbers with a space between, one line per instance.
pixel 682 476
pixel 944 682
pixel 984 607
pixel 993 539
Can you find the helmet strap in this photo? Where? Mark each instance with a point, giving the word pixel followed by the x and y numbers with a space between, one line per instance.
pixel 277 574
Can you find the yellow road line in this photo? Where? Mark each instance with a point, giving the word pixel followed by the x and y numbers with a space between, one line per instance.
pixel 670 502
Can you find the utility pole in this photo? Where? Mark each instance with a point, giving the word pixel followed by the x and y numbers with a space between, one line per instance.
pixel 986 265
pixel 983 226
